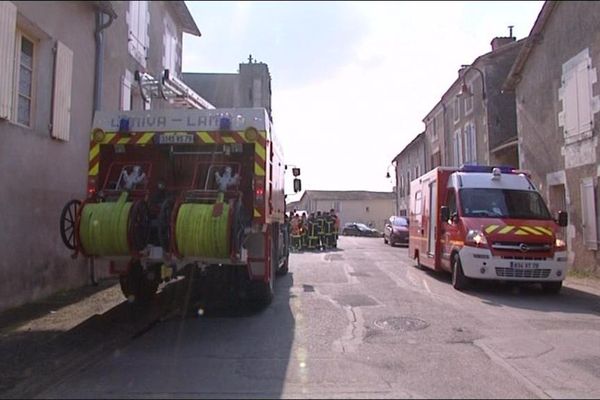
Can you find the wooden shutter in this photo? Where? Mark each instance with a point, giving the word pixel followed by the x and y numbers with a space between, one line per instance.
pixel 134 20
pixel 588 214
pixel 570 103
pixel 143 26
pixel 8 27
pixel 584 98
pixel 63 76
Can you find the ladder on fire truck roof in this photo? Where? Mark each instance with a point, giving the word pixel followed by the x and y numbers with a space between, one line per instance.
pixel 171 89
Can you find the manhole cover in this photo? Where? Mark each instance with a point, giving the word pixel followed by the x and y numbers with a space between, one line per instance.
pixel 404 324
pixel 360 274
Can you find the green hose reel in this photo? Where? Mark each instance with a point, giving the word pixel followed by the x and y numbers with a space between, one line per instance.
pixel 200 231
pixel 113 228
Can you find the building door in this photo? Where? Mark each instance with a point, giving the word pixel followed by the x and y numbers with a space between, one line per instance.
pixel 558 199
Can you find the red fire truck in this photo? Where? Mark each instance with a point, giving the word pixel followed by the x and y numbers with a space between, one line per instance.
pixel 485 222
pixel 177 191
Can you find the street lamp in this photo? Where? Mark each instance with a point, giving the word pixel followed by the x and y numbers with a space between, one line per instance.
pixel 464 89
pixel 387 175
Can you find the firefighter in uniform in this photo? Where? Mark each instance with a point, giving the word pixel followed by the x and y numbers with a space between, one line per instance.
pixel 296 235
pixel 336 227
pixel 303 231
pixel 329 230
pixel 320 221
pixel 313 232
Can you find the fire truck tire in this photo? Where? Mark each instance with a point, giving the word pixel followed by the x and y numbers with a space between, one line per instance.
pixel 552 287
pixel 68 218
pixel 459 280
pixel 261 293
pixel 139 286
pixel 284 269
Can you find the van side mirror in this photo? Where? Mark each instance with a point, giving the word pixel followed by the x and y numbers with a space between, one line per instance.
pixel 563 218
pixel 445 213
pixel 297 185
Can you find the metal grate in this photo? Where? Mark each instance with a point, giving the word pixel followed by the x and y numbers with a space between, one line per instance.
pixel 522 273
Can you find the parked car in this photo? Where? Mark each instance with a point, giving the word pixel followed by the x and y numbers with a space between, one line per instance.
pixel 396 231
pixel 359 229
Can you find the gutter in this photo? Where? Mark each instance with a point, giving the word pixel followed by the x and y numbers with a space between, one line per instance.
pixel 99 67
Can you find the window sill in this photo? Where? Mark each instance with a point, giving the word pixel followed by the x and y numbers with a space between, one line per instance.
pixel 578 137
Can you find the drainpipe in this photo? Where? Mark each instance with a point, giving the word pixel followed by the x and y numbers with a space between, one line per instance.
pixel 99 72
pixel 99 68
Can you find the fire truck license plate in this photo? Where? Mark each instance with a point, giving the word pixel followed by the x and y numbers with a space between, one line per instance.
pixel 524 265
pixel 176 138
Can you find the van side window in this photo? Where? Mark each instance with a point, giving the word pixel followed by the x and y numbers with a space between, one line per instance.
pixel 418 202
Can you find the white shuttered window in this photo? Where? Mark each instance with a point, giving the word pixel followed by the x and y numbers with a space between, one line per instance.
pixel 8 26
pixel 61 101
pixel 137 19
pixel 470 144
pixel 577 115
pixel 126 82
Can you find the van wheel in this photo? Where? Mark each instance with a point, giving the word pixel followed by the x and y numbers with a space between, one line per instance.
pixel 552 287
pixel 459 280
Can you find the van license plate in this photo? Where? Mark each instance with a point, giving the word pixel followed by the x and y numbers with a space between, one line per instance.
pixel 524 265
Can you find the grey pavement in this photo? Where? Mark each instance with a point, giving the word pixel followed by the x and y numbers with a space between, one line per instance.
pixel 363 322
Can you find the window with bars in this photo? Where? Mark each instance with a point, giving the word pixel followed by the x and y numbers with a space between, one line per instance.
pixel 456 110
pixel 24 92
pixel 457 144
pixel 469 101
pixel 470 155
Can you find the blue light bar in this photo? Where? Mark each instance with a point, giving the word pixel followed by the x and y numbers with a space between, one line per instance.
pixel 505 169
pixel 124 124
pixel 225 124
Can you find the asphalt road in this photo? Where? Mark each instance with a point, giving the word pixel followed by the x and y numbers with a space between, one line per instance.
pixel 361 322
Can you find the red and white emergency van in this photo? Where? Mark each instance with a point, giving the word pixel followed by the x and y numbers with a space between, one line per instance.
pixel 485 222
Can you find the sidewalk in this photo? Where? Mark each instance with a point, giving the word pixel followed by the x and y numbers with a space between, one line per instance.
pixel 588 284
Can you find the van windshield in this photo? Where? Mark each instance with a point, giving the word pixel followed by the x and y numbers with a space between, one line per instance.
pixel 503 203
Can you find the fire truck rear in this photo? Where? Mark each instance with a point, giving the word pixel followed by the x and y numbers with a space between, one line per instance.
pixel 192 192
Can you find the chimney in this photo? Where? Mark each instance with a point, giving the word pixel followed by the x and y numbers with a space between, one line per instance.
pixel 498 42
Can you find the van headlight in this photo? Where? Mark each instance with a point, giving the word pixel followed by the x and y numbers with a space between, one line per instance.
pixel 476 237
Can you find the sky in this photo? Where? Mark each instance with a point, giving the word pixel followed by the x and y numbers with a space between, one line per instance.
pixel 351 81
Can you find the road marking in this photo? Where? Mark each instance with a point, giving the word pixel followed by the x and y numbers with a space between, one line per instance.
pixel 426 285
pixel 528 383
